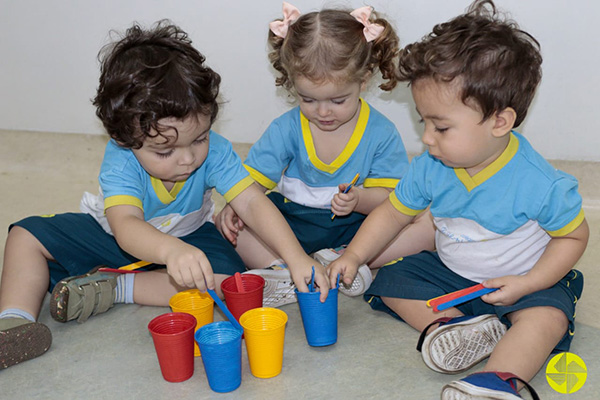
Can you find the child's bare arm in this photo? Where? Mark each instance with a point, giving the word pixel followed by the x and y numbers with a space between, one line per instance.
pixel 228 222
pixel 261 215
pixel 359 199
pixel 558 259
pixel 377 231
pixel 186 264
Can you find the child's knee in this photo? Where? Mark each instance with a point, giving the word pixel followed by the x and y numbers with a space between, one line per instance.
pixel 549 319
pixel 21 240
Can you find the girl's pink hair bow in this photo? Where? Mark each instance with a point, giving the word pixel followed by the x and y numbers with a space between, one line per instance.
pixel 371 30
pixel 290 14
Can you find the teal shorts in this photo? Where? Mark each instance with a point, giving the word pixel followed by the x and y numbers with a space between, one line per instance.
pixel 423 276
pixel 78 243
pixel 313 226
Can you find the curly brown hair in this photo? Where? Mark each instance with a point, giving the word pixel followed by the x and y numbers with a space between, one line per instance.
pixel 149 75
pixel 330 46
pixel 497 64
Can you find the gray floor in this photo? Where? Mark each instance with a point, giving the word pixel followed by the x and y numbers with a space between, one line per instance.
pixel 112 356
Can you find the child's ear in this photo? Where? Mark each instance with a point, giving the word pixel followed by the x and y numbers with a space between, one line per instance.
pixel 504 121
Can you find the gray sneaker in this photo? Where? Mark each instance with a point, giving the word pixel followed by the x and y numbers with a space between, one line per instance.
pixel 363 278
pixel 459 343
pixel 279 286
pixel 22 340
pixel 84 295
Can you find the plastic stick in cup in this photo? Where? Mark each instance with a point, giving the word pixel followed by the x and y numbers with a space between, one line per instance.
pixel 225 310
pixel 239 285
pixel 311 284
pixel 354 180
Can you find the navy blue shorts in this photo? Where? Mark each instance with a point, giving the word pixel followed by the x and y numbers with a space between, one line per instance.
pixel 78 243
pixel 313 226
pixel 423 276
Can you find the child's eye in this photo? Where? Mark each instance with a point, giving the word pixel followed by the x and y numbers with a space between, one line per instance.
pixel 165 155
pixel 305 100
pixel 338 101
pixel 201 139
pixel 441 130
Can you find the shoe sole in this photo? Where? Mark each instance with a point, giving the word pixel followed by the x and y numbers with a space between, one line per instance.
pixel 454 348
pixel 459 390
pixel 23 343
pixel 279 287
pixel 361 282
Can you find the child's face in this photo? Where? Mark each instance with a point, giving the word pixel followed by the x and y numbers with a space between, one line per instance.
pixel 453 131
pixel 328 105
pixel 180 150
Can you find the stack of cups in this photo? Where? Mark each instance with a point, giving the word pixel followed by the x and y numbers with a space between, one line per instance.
pixel 319 319
pixel 264 332
pixel 221 347
pixel 250 296
pixel 173 336
pixel 196 303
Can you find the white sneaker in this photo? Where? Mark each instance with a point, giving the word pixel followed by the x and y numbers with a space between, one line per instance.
pixel 363 278
pixel 279 286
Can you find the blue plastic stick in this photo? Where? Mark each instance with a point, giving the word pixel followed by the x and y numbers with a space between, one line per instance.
pixel 311 284
pixel 225 310
pixel 354 180
pixel 464 298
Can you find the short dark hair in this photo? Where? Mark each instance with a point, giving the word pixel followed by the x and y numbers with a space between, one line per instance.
pixel 497 64
pixel 152 74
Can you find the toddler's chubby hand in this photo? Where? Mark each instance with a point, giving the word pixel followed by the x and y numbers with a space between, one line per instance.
pixel 344 203
pixel 229 224
pixel 189 267
pixel 510 289
pixel 346 266
pixel 302 275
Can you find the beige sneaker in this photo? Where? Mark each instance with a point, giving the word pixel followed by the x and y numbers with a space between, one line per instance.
pixel 84 295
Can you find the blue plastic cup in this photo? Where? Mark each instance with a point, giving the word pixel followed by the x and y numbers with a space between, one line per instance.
pixel 319 319
pixel 221 347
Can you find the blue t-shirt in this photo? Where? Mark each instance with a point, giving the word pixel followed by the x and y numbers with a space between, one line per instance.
pixel 183 209
pixel 285 157
pixel 499 221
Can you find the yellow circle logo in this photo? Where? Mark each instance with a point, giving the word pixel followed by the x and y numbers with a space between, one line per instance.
pixel 566 373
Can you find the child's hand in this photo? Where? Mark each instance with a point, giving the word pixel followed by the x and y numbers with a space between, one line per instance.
pixel 229 224
pixel 189 267
pixel 301 277
pixel 510 289
pixel 344 203
pixel 346 266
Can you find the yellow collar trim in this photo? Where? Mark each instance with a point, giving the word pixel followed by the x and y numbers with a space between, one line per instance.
pixel 351 146
pixel 163 194
pixel 471 182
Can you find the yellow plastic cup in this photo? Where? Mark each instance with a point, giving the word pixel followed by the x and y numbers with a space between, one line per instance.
pixel 196 303
pixel 264 332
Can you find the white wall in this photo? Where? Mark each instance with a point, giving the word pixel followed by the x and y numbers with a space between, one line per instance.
pixel 49 70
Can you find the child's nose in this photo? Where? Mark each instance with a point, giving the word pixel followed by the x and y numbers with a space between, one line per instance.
pixel 427 137
pixel 323 109
pixel 187 157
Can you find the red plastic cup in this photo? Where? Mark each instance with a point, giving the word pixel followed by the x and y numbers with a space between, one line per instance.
pixel 173 335
pixel 240 302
